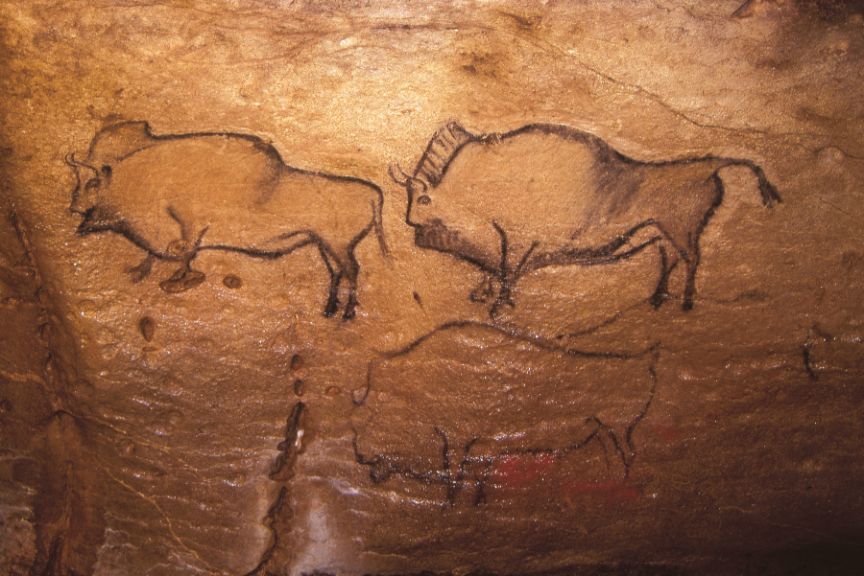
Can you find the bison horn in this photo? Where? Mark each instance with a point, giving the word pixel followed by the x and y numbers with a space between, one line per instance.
pixel 71 161
pixel 405 178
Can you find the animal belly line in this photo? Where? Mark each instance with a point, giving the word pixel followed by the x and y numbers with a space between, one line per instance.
pixel 616 256
pixel 588 256
pixel 259 252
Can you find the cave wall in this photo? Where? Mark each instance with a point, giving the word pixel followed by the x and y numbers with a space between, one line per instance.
pixel 183 392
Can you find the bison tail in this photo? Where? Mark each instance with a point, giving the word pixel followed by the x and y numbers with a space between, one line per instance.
pixel 769 193
pixel 377 208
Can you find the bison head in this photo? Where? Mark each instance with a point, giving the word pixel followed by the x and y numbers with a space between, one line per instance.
pixel 445 220
pixel 442 214
pixel 93 175
pixel 87 196
pixel 419 214
pixel 434 226
pixel 442 148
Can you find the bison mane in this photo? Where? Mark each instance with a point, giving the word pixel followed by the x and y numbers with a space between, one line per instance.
pixel 443 146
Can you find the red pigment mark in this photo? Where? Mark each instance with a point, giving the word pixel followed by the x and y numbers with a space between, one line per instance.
pixel 670 433
pixel 613 491
pixel 521 471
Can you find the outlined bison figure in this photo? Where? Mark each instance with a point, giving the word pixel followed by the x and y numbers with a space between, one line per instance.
pixel 177 195
pixel 550 195
pixel 450 405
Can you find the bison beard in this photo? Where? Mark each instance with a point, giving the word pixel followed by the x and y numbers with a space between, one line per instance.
pixel 440 238
pixel 437 237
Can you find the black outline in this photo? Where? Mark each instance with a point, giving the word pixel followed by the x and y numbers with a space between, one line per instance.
pixel 448 142
pixel 341 267
pixel 381 467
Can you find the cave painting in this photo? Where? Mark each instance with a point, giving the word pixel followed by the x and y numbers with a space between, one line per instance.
pixel 549 195
pixel 476 394
pixel 511 203
pixel 176 195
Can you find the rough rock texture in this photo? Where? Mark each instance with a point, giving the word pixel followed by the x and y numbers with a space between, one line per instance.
pixel 470 287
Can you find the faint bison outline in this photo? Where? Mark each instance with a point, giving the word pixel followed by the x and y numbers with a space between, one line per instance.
pixel 420 436
pixel 176 195
pixel 484 199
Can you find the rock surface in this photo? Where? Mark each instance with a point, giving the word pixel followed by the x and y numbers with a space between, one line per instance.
pixel 259 284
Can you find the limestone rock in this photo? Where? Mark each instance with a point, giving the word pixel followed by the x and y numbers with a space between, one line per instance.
pixel 467 287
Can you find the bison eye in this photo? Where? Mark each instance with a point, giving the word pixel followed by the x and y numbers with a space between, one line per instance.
pixel 92 183
pixel 424 200
pixel 106 170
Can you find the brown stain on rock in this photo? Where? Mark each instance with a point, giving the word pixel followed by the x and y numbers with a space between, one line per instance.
pixel 232 281
pixel 147 328
pixel 482 63
pixel 524 22
pixel 852 262
pixel 297 362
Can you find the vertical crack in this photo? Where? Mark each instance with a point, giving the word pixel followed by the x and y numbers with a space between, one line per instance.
pixel 277 556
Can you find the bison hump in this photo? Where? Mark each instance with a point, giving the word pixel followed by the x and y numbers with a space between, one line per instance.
pixel 118 141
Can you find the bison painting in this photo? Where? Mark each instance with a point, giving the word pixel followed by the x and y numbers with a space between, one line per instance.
pixel 549 195
pixel 453 403
pixel 177 195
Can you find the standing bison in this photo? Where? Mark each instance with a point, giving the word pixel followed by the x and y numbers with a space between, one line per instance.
pixel 450 405
pixel 549 195
pixel 175 196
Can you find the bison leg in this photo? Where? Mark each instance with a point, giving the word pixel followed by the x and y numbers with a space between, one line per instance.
pixel 668 262
pixel 352 271
pixel 617 459
pixel 335 270
pixel 505 298
pixel 450 470
pixel 690 282
pixel 333 294
pixel 484 291
pixel 511 270
pixel 483 469
pixel 684 229
pixel 142 270
pixel 617 447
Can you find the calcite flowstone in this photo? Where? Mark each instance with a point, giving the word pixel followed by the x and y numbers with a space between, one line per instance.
pixel 466 287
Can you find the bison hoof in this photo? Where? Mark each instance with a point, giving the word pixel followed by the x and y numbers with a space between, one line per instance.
pixel 482 293
pixel 500 303
pixel 330 309
pixel 182 282
pixel 350 307
pixel 379 473
pixel 140 272
pixel 658 299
